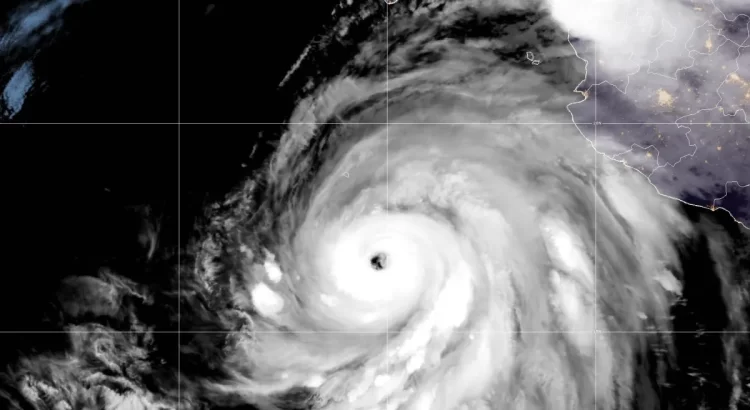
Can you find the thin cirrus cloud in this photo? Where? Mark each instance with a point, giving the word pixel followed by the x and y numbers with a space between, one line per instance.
pixel 25 30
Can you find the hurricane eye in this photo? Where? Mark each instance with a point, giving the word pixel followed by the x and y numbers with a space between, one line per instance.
pixel 379 261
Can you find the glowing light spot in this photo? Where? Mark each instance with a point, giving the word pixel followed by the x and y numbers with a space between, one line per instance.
pixel 381 379
pixel 668 282
pixel 272 270
pixel 415 362
pixel 315 381
pixel 664 99
pixel 266 300
pixel 453 304
pixel 565 250
pixel 735 78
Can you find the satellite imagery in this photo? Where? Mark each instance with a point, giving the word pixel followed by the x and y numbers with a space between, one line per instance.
pixel 375 205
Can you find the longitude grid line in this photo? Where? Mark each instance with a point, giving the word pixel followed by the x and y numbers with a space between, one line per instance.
pixel 179 206
pixel 387 175
pixel 596 228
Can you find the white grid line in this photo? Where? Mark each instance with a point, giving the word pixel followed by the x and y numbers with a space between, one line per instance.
pixel 179 205
pixel 387 174
pixel 596 228
pixel 297 123
pixel 369 123
pixel 293 332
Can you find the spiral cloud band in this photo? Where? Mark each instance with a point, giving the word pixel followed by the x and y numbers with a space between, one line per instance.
pixel 473 252
pixel 488 256
pixel 490 251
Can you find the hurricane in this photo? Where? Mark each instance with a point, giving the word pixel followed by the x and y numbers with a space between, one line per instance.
pixel 431 230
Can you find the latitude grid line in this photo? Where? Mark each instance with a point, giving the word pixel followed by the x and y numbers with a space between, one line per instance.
pixel 538 332
pixel 178 123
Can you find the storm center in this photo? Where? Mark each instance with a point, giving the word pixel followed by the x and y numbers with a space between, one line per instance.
pixel 378 261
